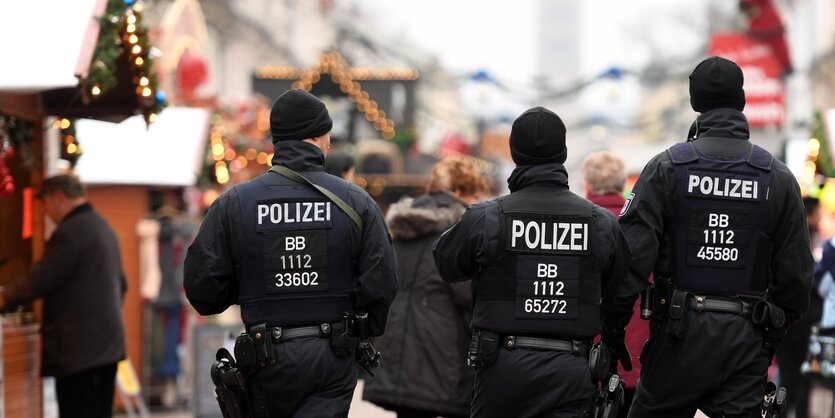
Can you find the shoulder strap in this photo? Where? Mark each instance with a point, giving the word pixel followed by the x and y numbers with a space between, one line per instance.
pixel 760 158
pixel 298 178
pixel 682 152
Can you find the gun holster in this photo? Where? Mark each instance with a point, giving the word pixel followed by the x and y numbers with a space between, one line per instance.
pixel 609 398
pixel 230 386
pixel 484 349
pixel 774 401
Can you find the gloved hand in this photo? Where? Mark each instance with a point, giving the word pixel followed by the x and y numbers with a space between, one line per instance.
pixel 616 344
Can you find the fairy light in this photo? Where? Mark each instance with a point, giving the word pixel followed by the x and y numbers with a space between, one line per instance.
pixel 96 90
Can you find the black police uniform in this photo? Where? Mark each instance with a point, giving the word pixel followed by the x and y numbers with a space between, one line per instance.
pixel 291 258
pixel 724 220
pixel 541 259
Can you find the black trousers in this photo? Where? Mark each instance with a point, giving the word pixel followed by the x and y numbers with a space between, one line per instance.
pixel 525 383
pixel 87 394
pixel 419 413
pixel 718 366
pixel 307 381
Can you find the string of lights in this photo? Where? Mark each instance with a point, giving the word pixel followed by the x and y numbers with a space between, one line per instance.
pixel 123 33
pixel 346 78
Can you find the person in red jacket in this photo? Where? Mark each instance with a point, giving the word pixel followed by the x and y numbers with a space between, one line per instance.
pixel 603 178
pixel 765 25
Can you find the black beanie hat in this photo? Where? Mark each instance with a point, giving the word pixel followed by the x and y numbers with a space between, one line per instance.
pixel 298 115
pixel 538 137
pixel 714 83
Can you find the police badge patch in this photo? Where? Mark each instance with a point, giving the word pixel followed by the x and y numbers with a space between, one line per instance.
pixel 627 204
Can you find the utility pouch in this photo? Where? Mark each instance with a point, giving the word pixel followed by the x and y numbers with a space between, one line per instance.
pixel 484 349
pixel 342 341
pixel 263 340
pixel 677 322
pixel 599 362
pixel 245 354
pixel 662 290
pixel 767 315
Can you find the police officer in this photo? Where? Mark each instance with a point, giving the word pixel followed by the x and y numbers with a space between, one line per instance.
pixel 720 222
pixel 541 259
pixel 295 261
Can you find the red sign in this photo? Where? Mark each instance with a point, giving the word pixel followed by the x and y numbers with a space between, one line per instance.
pixel 764 90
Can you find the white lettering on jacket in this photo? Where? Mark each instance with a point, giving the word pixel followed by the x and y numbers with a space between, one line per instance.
pixel 555 236
pixel 294 212
pixel 714 186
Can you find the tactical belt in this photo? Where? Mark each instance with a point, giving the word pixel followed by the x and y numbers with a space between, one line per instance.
pixel 719 304
pixel 284 334
pixel 578 348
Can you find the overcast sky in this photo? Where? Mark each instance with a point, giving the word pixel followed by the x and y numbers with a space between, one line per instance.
pixel 501 35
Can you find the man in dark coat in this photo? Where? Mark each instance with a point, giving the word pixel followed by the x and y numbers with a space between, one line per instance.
pixel 425 347
pixel 720 224
pixel 296 259
pixel 544 264
pixel 81 281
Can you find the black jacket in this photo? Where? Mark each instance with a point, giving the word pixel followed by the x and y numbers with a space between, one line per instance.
pixel 465 249
pixel 81 281
pixel 425 347
pixel 210 278
pixel 648 218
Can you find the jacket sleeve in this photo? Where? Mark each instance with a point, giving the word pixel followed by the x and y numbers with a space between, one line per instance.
pixel 49 273
pixel 616 267
pixel 457 250
pixel 210 279
pixel 376 275
pixel 792 263
pixel 642 223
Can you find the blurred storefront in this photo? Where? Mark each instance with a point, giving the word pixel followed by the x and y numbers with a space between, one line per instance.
pixel 83 59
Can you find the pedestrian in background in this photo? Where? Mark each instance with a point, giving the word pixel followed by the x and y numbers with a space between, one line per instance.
pixel 81 282
pixel 425 348
pixel 296 259
pixel 544 264
pixel 604 177
pixel 720 225
pixel 794 346
pixel 340 164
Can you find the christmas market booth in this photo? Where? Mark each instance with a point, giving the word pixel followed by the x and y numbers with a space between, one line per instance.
pixel 65 60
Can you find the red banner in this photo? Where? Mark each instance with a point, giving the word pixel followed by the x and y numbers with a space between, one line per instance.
pixel 764 90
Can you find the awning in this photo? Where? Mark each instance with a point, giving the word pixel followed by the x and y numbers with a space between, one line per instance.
pixel 48 44
pixel 169 153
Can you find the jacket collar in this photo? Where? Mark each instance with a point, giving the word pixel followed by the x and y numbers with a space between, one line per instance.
pixel 722 123
pixel 552 175
pixel 299 156
pixel 84 207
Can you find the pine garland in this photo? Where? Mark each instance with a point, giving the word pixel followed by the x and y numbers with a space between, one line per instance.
pixel 117 41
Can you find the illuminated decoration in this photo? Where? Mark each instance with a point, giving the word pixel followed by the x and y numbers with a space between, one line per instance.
pixel 122 33
pixel 15 139
pixel 70 148
pixel 239 145
pixel 332 64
